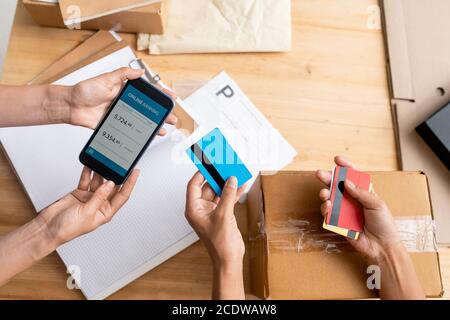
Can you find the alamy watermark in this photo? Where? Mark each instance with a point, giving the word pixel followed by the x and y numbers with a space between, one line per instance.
pixel 374 280
pixel 74 280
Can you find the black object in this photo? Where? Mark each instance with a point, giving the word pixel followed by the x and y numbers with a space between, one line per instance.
pixel 436 133
pixel 154 94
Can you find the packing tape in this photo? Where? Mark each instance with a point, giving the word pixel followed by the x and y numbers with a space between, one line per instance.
pixel 418 234
pixel 294 235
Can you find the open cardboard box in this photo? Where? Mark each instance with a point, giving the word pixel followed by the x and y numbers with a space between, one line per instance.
pixel 149 19
pixel 292 257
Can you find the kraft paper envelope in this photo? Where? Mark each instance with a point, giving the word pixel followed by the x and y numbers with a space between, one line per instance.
pixel 94 48
pixel 77 11
pixel 196 26
pixel 418 50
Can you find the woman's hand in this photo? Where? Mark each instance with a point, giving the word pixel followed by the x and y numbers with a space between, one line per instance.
pixel 89 100
pixel 213 220
pixel 91 205
pixel 380 242
pixel 380 230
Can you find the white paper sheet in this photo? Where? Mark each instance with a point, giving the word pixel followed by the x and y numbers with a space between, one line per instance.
pixel 220 103
pixel 147 231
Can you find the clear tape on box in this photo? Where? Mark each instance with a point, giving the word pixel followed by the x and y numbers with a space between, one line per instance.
pixel 418 234
pixel 296 235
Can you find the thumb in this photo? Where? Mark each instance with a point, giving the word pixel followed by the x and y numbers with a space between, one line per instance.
pixel 229 194
pixel 124 74
pixel 367 199
pixel 99 197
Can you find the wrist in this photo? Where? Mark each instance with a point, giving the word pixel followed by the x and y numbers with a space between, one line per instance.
pixel 57 104
pixel 230 268
pixel 229 262
pixel 228 282
pixel 387 252
pixel 44 243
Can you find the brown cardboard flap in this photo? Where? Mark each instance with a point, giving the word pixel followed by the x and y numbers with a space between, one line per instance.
pixel 148 19
pixel 101 40
pixel 76 11
pixel 257 242
pixel 96 47
pixel 418 51
pixel 397 46
pixel 304 261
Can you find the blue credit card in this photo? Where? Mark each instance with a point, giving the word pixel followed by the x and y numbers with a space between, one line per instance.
pixel 217 161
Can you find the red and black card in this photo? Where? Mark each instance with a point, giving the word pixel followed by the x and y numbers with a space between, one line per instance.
pixel 346 216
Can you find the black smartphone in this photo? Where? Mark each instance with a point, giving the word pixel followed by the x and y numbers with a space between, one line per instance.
pixel 132 121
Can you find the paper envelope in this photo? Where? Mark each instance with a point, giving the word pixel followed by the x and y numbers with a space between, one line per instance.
pixel 95 47
pixel 99 45
pixel 196 26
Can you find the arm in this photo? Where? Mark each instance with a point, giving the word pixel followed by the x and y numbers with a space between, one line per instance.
pixel 228 282
pixel 92 204
pixel 214 221
pixel 23 247
pixel 380 243
pixel 398 276
pixel 83 104
pixel 34 105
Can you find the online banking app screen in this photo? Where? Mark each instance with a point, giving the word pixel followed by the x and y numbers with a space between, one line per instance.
pixel 128 127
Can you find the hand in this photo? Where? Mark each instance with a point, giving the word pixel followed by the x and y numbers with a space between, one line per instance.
pixel 89 99
pixel 380 231
pixel 213 220
pixel 91 205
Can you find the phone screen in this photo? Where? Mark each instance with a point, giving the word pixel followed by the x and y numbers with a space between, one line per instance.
pixel 126 131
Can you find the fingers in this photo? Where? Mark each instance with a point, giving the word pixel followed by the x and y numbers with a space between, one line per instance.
pixel 229 196
pixel 123 74
pixel 324 177
pixel 85 179
pixel 325 208
pixel 194 187
pixel 167 91
pixel 122 196
pixel 162 132
pixel 324 194
pixel 207 192
pixel 367 199
pixel 96 182
pixel 343 162
pixel 172 119
pixel 241 191
pixel 98 198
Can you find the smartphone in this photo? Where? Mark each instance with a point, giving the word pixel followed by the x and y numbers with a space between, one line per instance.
pixel 131 123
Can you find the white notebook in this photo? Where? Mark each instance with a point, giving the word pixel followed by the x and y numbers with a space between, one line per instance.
pixel 148 230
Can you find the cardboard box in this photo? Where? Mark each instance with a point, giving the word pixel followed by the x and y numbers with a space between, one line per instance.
pixel 293 257
pixel 148 19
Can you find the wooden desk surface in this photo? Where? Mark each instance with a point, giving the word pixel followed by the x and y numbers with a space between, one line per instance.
pixel 328 96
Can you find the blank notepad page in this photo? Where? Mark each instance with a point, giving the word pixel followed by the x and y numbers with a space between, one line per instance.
pixel 149 226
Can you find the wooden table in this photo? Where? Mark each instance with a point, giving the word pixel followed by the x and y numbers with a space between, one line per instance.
pixel 328 96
